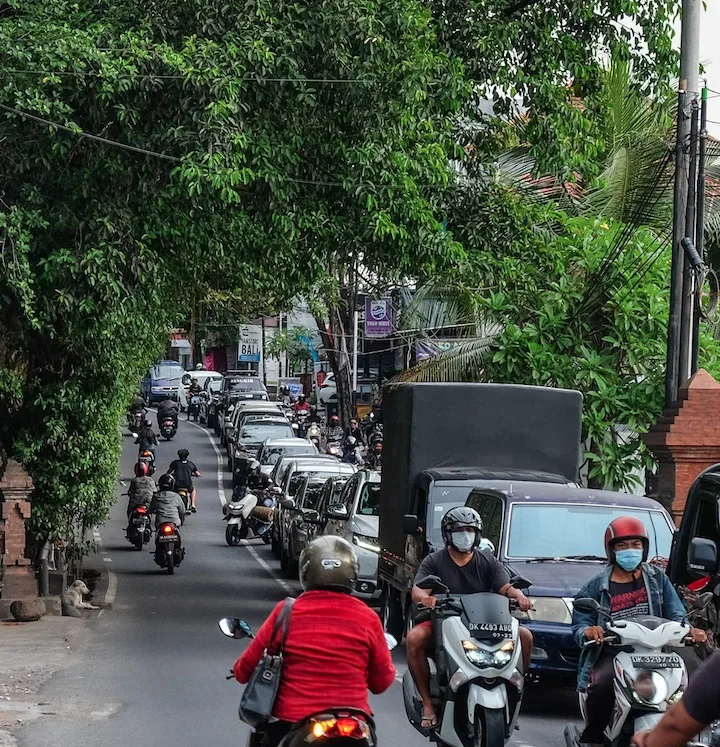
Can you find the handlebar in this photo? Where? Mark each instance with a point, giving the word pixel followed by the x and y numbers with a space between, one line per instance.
pixel 610 640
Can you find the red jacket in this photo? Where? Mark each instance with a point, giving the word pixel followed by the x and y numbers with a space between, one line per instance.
pixel 334 653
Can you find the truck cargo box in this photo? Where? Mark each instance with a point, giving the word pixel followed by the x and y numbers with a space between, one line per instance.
pixel 492 426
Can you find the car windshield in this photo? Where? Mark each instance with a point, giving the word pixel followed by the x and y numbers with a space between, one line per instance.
pixel 270 454
pixel 297 478
pixel 369 503
pixel 259 431
pixel 244 385
pixel 168 372
pixel 551 530
pixel 214 385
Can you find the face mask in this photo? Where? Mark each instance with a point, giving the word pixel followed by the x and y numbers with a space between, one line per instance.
pixel 463 541
pixel 628 560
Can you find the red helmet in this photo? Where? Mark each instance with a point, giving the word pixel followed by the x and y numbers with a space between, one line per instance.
pixel 624 528
pixel 141 469
pixel 334 420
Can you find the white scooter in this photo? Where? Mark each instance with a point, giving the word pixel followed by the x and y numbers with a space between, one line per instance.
pixel 476 678
pixel 648 677
pixel 240 516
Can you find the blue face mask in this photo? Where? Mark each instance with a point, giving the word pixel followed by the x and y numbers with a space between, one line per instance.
pixel 628 560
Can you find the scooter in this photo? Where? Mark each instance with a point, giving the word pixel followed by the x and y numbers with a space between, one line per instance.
pixel 334 448
pixel 648 677
pixel 194 407
pixel 168 427
pixel 169 551
pixel 335 727
pixel 184 493
pixel 138 531
pixel 476 678
pixel 242 514
pixel 314 434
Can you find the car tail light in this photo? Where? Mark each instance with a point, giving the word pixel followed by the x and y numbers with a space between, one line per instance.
pixel 141 510
pixel 167 529
pixel 334 728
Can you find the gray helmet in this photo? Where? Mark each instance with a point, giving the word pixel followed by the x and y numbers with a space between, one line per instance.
pixel 461 516
pixel 329 563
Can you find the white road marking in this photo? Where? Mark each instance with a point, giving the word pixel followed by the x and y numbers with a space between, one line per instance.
pixel 223 501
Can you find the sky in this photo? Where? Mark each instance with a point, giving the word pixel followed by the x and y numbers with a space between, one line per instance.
pixel 710 58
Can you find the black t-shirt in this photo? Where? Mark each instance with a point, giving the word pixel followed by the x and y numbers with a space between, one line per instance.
pixel 628 599
pixel 483 573
pixel 183 472
pixel 702 697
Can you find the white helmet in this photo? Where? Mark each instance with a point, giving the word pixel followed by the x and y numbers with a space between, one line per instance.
pixel 199 367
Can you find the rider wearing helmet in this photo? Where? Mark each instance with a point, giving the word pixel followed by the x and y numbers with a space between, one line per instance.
pixel 200 367
pixel 167 505
pixel 142 487
pixel 146 437
pixel 628 587
pixel 335 433
pixel 314 415
pixel 183 470
pixel 316 675
pixel 301 405
pixel 464 569
pixel 168 408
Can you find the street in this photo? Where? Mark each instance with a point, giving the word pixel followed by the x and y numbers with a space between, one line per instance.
pixel 153 669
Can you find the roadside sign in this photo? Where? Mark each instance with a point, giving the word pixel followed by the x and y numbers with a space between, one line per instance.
pixel 250 343
pixel 378 316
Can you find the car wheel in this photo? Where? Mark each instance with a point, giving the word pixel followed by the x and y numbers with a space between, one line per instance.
pixel 284 566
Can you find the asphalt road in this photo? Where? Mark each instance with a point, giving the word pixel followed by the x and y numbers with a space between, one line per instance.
pixel 153 670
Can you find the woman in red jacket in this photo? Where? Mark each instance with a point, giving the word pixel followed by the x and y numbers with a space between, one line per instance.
pixel 335 650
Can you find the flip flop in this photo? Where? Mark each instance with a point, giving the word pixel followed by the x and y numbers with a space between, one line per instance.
pixel 429 722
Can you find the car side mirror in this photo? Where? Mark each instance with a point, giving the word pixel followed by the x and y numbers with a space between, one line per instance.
pixel 234 627
pixel 337 511
pixel 702 556
pixel 288 504
pixel 586 604
pixel 410 524
pixel 311 516
pixel 433 583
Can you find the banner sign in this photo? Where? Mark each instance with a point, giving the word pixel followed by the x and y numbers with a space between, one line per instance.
pixel 378 317
pixel 430 348
pixel 249 343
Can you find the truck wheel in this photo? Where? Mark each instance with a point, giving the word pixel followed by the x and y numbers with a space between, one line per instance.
pixel 489 727
pixel 391 614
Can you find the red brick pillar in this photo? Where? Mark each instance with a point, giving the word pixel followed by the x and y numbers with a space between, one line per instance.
pixel 15 489
pixel 686 440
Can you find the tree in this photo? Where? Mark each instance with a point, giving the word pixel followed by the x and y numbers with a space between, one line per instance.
pixel 292 343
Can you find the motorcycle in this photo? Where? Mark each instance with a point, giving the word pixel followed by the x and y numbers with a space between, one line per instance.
pixel 135 421
pixel 148 458
pixel 168 427
pixel 648 677
pixel 336 727
pixel 477 681
pixel 194 407
pixel 301 419
pixel 352 453
pixel 169 551
pixel 138 531
pixel 314 434
pixel 244 513
pixel 184 493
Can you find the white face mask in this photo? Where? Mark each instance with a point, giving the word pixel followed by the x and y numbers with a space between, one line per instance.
pixel 463 541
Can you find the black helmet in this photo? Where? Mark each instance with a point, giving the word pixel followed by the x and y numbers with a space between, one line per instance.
pixel 183 454
pixel 166 482
pixel 301 398
pixel 461 516
pixel 148 423
pixel 329 563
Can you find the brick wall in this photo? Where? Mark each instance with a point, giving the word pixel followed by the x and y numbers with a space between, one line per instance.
pixel 15 489
pixel 686 440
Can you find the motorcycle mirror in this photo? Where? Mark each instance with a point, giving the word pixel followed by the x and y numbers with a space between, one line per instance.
pixel 234 627
pixel 433 583
pixel 123 483
pixel 288 504
pixel 391 641
pixel 703 600
pixel 133 434
pixel 586 604
pixel 520 583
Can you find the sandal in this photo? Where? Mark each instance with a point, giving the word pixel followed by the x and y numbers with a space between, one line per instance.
pixel 429 722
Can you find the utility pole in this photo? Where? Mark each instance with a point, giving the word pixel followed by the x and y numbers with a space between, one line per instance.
pixel 687 88
pixel 700 224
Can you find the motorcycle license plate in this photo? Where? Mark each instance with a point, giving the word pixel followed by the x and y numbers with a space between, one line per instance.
pixel 167 539
pixel 656 661
pixel 492 630
pixel 138 521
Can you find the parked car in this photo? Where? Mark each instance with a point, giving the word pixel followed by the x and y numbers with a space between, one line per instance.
pixel 250 438
pixel 211 397
pixel 329 497
pixel 242 386
pixel 161 381
pixel 299 518
pixel 327 391
pixel 354 515
pixel 292 478
pixel 282 465
pixel 275 448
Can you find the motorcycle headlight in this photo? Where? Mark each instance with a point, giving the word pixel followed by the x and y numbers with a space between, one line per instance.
pixel 650 687
pixel 481 658
pixel 366 543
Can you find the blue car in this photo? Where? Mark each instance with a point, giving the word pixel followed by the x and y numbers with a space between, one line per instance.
pixel 162 380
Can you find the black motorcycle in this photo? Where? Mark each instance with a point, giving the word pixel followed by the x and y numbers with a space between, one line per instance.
pixel 148 458
pixel 336 727
pixel 168 427
pixel 135 421
pixel 139 531
pixel 169 551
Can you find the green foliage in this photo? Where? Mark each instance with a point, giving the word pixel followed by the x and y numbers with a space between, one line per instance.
pixel 290 343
